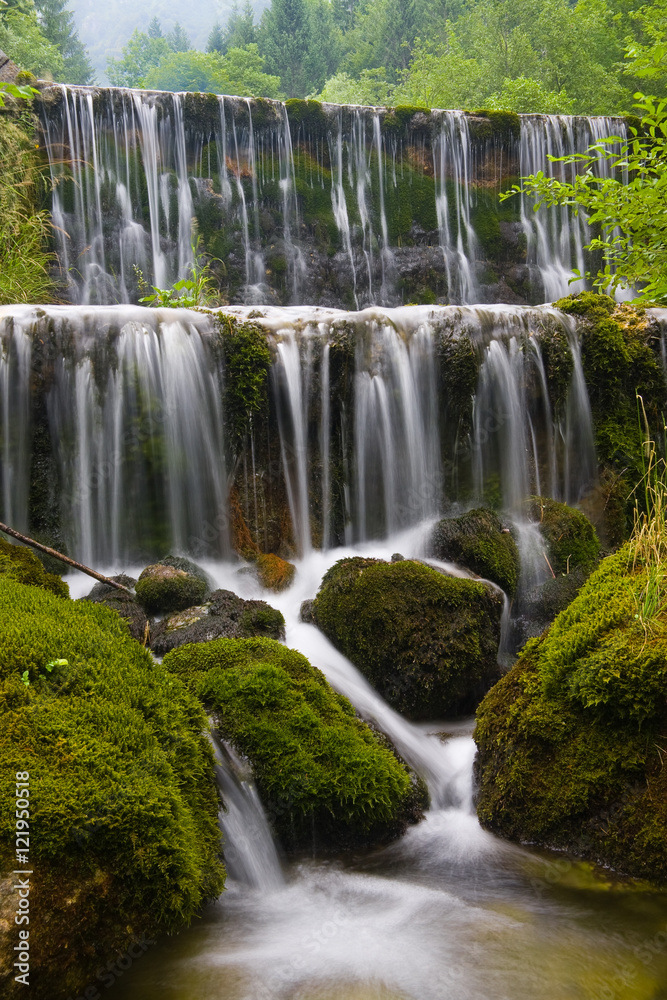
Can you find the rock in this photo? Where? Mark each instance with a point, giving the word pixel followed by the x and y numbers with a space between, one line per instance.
pixel 126 605
pixel 21 564
pixel 569 741
pixel 306 612
pixel 180 562
pixel 571 539
pixel 163 588
pixel 427 642
pixel 274 573
pixel 326 779
pixel 397 557
pixel 120 761
pixel 223 616
pixel 478 541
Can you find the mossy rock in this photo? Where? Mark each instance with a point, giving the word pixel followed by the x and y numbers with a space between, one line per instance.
pixel 427 642
pixel 247 362
pixel 309 114
pixel 164 588
pixel 274 573
pixel 21 564
pixel 569 741
pixel 223 616
pixel 571 540
pixel 125 605
pixel 477 541
pixel 123 804
pixel 325 778
pixel 188 566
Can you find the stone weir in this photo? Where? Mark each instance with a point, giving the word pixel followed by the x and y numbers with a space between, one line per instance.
pixel 126 432
pixel 302 202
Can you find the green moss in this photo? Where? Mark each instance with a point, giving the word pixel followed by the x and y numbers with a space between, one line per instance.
pixel 567 740
pixel 476 540
pixel 322 773
pixel 459 372
pixel 427 642
pixel 572 541
pixel 122 798
pixel 486 223
pixel 247 360
pixel 503 125
pixel 163 588
pixel 310 114
pixel 21 564
pixel 399 118
pixel 558 365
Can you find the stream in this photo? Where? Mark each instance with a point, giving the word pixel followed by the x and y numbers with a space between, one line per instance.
pixel 448 911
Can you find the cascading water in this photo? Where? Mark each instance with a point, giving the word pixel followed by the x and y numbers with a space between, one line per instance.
pixel 345 207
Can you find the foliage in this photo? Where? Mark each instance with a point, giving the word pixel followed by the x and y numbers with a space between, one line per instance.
pixel 24 260
pixel 198 290
pixel 23 40
pixel 476 540
pixel 57 24
pixel 371 88
pixel 142 53
pixel 527 96
pixel 164 588
pixel 427 642
pixel 21 564
pixel 239 32
pixel 123 802
pixel 567 740
pixel 299 40
pixel 321 772
pixel 572 542
pixel 247 360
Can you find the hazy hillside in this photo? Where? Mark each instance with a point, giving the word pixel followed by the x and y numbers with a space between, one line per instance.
pixel 105 28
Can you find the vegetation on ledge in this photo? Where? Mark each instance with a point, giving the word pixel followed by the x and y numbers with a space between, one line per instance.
pixel 326 779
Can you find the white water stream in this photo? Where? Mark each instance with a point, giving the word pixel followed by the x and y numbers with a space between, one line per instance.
pixel 449 911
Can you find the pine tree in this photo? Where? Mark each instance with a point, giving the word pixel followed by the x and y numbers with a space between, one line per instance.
pixel 155 29
pixel 178 39
pixel 57 24
pixel 216 39
pixel 285 42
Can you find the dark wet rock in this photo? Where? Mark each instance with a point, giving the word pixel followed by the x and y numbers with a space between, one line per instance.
pixel 306 613
pixel 126 605
pixel 223 616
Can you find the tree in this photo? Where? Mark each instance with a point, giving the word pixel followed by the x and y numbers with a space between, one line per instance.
pixel 57 24
pixel 178 39
pixel 631 216
pixel 240 72
pixel 154 29
pixel 141 54
pixel 240 29
pixel 527 96
pixel 284 42
pixel 324 53
pixel 24 41
pixel 216 39
pixel 370 88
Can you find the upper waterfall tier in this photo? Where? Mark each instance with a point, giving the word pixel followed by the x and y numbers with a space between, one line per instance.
pixel 308 203
pixel 126 431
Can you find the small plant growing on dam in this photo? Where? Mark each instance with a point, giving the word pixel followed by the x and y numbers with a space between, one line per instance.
pixel 201 289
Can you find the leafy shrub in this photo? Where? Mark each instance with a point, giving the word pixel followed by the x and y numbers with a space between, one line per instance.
pixel 325 777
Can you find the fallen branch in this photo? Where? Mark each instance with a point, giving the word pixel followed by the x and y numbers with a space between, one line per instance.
pixel 66 559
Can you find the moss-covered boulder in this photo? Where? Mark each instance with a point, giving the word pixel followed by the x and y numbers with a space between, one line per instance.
pixel 478 541
pixel 570 740
pixel 274 573
pixel 427 642
pixel 21 564
pixel 124 839
pixel 163 588
pixel 125 605
pixel 326 779
pixel 570 538
pixel 223 616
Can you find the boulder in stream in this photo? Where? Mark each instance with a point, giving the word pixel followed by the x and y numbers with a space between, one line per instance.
pixel 479 542
pixel 162 588
pixel 427 642
pixel 571 740
pixel 223 616
pixel 326 779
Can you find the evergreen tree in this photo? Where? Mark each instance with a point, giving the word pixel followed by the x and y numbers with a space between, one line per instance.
pixel 57 23
pixel 216 39
pixel 240 29
pixel 155 29
pixel 178 39
pixel 285 42
pixel 324 51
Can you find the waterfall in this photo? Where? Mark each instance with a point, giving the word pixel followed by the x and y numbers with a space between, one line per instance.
pixel 125 407
pixel 137 174
pixel 250 853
